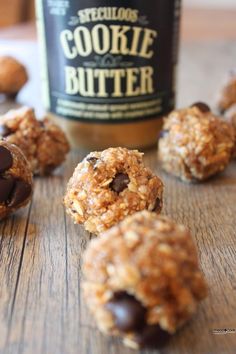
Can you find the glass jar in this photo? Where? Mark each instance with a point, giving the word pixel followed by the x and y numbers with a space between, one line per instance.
pixel 109 68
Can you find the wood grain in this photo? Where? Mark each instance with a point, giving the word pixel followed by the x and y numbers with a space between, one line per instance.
pixel 41 307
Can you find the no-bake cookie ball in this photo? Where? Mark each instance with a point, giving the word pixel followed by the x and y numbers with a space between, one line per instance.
pixel 142 279
pixel 109 185
pixel 227 96
pixel 43 142
pixel 13 76
pixel 195 144
pixel 15 179
pixel 230 116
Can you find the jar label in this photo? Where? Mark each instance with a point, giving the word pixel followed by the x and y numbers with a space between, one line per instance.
pixel 107 62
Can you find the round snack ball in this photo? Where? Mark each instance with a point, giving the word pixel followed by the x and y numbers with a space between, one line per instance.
pixel 43 142
pixel 142 280
pixel 227 96
pixel 13 75
pixel 109 185
pixel 15 179
pixel 195 144
pixel 230 116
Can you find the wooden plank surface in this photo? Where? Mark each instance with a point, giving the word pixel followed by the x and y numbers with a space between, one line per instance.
pixel 41 307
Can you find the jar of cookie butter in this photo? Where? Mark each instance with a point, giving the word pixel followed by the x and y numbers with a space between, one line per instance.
pixel 109 68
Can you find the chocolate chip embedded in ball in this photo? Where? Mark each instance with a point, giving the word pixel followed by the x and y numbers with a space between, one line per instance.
pixel 135 255
pixel 120 182
pixel 20 193
pixel 92 160
pixel 203 107
pixel 129 314
pixel 15 179
pixel 152 337
pixel 109 185
pixel 6 187
pixel 6 159
pixel 158 205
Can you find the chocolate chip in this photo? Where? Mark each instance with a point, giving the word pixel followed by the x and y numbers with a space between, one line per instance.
pixel 92 160
pixel 6 159
pixel 4 131
pixel 20 193
pixel 152 337
pixel 41 123
pixel 163 133
pixel 129 314
pixel 6 187
pixel 203 107
pixel 120 182
pixel 47 170
pixel 157 205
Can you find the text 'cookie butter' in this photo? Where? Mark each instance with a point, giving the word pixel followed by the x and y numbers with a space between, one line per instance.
pixel 108 68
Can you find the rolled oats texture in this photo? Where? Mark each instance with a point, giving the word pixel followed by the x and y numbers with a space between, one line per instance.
pixel 196 144
pixel 150 258
pixel 109 185
pixel 43 142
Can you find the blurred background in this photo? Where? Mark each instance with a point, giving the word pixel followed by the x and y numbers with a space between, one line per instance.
pixel 17 11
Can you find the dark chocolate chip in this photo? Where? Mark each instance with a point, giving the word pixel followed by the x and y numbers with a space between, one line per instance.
pixel 163 133
pixel 152 337
pixel 41 123
pixel 4 131
pixel 6 159
pixel 47 170
pixel 120 182
pixel 129 314
pixel 92 160
pixel 157 205
pixel 6 187
pixel 20 193
pixel 203 107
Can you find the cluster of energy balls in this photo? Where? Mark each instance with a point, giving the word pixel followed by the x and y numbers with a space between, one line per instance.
pixel 28 146
pixel 141 277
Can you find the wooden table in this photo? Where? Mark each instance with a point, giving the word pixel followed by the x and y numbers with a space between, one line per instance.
pixel 41 307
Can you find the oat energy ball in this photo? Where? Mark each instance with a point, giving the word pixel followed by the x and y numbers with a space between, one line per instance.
pixel 109 185
pixel 15 179
pixel 142 280
pixel 227 96
pixel 43 142
pixel 230 116
pixel 13 75
pixel 195 144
